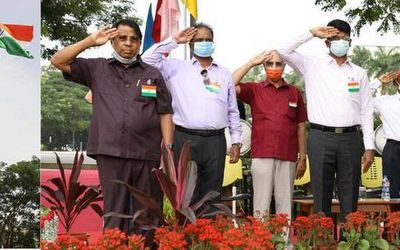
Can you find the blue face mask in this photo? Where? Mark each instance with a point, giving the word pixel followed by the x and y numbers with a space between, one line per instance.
pixel 340 47
pixel 203 49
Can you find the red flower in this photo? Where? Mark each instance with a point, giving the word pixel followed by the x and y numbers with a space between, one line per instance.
pixel 170 240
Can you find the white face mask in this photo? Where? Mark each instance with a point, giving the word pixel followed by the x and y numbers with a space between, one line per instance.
pixel 123 60
pixel 340 47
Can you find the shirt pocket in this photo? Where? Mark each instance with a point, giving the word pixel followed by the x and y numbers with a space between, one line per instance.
pixel 291 113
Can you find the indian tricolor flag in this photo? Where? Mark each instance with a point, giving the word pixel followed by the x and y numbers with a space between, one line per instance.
pixel 353 86
pixel 214 87
pixel 149 91
pixel 13 38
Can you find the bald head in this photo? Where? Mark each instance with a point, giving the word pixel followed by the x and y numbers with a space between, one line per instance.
pixel 274 67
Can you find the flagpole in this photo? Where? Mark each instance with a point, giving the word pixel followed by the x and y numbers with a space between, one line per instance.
pixel 169 19
pixel 185 26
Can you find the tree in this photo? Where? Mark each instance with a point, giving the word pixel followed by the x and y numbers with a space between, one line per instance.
pixel 385 12
pixel 65 113
pixel 377 62
pixel 67 21
pixel 19 210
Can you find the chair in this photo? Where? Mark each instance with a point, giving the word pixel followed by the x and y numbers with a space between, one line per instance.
pixel 373 178
pixel 232 173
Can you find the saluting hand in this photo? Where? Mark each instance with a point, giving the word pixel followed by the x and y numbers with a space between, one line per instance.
pixel 101 36
pixel 184 36
pixel 261 58
pixel 387 77
pixel 324 31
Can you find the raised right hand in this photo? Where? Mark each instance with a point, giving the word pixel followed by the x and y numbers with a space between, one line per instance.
pixel 101 36
pixel 387 77
pixel 261 58
pixel 324 31
pixel 185 35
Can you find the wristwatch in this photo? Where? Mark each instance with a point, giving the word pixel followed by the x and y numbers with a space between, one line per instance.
pixel 170 146
pixel 238 144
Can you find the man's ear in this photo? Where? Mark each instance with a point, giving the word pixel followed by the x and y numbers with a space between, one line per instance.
pixel 327 43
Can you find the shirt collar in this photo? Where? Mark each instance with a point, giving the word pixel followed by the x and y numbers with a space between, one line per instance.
pixel 138 62
pixel 329 59
pixel 194 60
pixel 267 82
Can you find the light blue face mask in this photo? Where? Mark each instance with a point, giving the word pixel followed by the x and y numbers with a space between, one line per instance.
pixel 203 49
pixel 340 47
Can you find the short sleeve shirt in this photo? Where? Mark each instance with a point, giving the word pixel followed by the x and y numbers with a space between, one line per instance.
pixel 125 120
pixel 276 112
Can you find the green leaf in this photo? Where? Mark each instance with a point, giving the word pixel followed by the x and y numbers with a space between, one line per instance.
pixel 363 245
pixel 381 244
pixel 343 245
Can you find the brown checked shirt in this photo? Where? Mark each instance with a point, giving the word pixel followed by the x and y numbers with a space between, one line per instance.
pixel 124 123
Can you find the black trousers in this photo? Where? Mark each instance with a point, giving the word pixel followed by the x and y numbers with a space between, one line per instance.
pixel 391 166
pixel 116 197
pixel 333 154
pixel 209 154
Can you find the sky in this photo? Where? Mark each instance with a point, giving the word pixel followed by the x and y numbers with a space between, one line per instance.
pixel 20 88
pixel 245 28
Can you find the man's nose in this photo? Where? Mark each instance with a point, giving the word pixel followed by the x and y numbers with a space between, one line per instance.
pixel 128 42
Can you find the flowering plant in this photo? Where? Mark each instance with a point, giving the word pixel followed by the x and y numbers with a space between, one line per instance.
pixel 220 233
pixel 361 231
pixel 313 231
pixel 113 239
pixel 393 226
pixel 48 224
pixel 278 225
pixel 64 242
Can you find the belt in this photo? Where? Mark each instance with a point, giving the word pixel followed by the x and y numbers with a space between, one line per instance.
pixel 200 132
pixel 337 130
pixel 391 140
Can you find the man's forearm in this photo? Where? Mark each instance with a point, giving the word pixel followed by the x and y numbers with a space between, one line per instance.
pixel 167 128
pixel 63 58
pixel 241 72
pixel 155 54
pixel 301 138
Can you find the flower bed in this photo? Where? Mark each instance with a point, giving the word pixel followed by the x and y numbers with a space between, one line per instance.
pixel 222 233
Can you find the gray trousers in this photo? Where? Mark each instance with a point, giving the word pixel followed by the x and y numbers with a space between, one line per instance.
pixel 137 173
pixel 333 154
pixel 209 154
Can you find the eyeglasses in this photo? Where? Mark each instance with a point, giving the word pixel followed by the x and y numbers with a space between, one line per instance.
pixel 272 64
pixel 206 79
pixel 335 38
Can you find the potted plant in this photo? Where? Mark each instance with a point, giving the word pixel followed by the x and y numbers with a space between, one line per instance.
pixel 68 198
pixel 178 187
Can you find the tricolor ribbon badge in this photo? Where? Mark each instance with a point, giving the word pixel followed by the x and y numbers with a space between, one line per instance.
pixel 353 86
pixel 214 87
pixel 149 91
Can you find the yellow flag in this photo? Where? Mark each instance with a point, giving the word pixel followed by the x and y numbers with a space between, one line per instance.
pixel 191 5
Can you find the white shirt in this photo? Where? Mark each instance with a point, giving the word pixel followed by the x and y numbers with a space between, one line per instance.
pixel 388 106
pixel 337 95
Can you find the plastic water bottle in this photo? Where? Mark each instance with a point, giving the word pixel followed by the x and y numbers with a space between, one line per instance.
pixel 385 189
